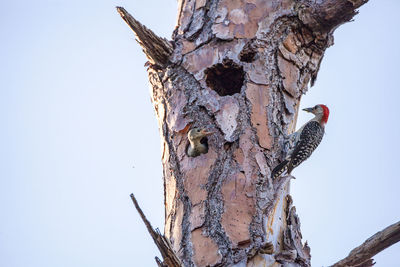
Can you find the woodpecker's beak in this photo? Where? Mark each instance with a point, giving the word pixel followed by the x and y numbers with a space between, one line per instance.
pixel 308 109
pixel 205 132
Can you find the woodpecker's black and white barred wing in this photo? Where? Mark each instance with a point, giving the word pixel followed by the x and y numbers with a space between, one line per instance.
pixel 310 138
pixel 279 169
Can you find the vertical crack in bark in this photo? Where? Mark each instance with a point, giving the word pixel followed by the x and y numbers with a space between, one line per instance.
pixel 215 207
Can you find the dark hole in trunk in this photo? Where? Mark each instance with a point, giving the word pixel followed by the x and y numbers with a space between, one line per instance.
pixel 248 54
pixel 225 78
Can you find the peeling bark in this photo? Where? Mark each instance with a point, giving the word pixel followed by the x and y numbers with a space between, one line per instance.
pixel 237 68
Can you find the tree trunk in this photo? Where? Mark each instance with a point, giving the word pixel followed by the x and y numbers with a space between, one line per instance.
pixel 239 69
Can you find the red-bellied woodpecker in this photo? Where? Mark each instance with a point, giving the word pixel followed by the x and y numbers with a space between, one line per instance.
pixel 196 146
pixel 304 141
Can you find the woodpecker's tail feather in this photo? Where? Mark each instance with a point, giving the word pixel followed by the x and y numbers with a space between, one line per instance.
pixel 278 170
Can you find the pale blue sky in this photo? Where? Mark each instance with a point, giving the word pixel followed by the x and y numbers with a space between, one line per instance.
pixel 79 135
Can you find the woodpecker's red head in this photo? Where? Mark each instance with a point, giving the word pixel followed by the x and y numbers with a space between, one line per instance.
pixel 321 111
pixel 326 113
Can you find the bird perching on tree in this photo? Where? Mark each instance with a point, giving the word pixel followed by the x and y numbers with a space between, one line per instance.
pixel 304 141
pixel 197 142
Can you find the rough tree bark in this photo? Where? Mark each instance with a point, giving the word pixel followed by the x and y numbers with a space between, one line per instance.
pixel 239 69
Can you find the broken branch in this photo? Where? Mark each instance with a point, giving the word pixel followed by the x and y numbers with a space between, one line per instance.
pixel 157 49
pixel 361 256
pixel 169 256
pixel 326 15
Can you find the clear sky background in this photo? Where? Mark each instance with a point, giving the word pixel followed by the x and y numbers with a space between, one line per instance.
pixel 78 135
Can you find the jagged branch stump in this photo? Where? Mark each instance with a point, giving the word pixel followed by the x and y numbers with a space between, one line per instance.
pixel 157 49
pixel 163 245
